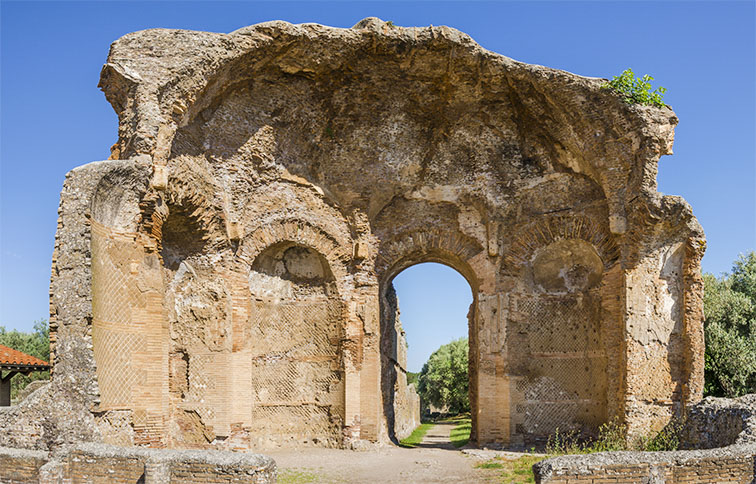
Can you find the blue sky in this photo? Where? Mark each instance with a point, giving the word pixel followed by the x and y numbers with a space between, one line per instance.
pixel 53 117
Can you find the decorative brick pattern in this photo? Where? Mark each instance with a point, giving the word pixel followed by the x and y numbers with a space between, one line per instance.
pixel 296 373
pixel 564 386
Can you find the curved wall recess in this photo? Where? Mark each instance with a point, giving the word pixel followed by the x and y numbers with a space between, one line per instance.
pixel 272 181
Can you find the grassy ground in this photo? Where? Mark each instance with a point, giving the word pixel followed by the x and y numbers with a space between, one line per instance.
pixel 460 434
pixel 297 476
pixel 512 471
pixel 416 436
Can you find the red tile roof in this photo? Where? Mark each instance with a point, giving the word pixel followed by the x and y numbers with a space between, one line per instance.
pixel 11 357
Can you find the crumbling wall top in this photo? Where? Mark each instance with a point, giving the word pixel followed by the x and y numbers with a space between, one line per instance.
pixel 160 80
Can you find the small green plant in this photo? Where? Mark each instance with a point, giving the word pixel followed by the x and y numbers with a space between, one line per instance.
pixel 560 443
pixel 636 90
pixel 390 23
pixel 611 437
pixel 512 471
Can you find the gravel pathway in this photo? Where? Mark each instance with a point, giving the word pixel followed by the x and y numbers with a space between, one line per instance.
pixel 435 460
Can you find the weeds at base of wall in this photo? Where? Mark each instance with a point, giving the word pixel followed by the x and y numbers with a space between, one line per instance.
pixel 611 437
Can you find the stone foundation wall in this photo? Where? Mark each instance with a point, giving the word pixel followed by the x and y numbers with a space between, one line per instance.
pixel 718 422
pixel 20 465
pixel 714 422
pixel 734 464
pixel 407 416
pixel 98 463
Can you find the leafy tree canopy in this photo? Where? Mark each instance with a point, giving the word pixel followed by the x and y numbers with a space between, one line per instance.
pixel 730 330
pixel 443 380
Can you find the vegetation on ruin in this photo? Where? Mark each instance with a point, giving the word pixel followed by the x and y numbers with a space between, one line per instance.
pixel 36 343
pixel 730 330
pixel 636 90
pixel 417 435
pixel 443 380
pixel 611 437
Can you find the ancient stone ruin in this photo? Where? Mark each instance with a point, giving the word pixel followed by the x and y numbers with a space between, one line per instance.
pixel 224 281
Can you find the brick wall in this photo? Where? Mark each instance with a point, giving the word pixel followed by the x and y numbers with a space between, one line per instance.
pixel 82 466
pixel 20 466
pixel 733 464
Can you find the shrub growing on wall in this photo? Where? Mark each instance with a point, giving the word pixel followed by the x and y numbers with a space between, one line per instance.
pixel 730 330
pixel 636 90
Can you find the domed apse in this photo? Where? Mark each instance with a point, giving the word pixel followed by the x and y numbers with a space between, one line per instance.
pixel 431 302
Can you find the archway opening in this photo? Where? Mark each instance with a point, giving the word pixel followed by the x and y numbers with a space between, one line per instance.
pixel 427 312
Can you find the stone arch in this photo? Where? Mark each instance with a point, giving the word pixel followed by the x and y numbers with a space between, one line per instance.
pixel 548 230
pixel 447 247
pixel 335 251
pixel 428 245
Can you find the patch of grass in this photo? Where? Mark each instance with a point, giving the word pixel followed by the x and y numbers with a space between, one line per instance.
pixel 297 476
pixel 460 435
pixel 416 436
pixel 513 471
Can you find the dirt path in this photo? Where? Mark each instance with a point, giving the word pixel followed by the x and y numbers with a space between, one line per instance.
pixel 435 460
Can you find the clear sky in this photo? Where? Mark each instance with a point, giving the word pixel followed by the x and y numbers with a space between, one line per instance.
pixel 53 118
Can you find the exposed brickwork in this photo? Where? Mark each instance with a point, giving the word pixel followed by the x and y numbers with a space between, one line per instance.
pixel 733 464
pixel 20 466
pixel 402 403
pixel 83 467
pixel 223 285
pixel 103 464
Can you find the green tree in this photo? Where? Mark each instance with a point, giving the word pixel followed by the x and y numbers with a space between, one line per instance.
pixel 443 380
pixel 36 343
pixel 730 330
pixel 412 377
